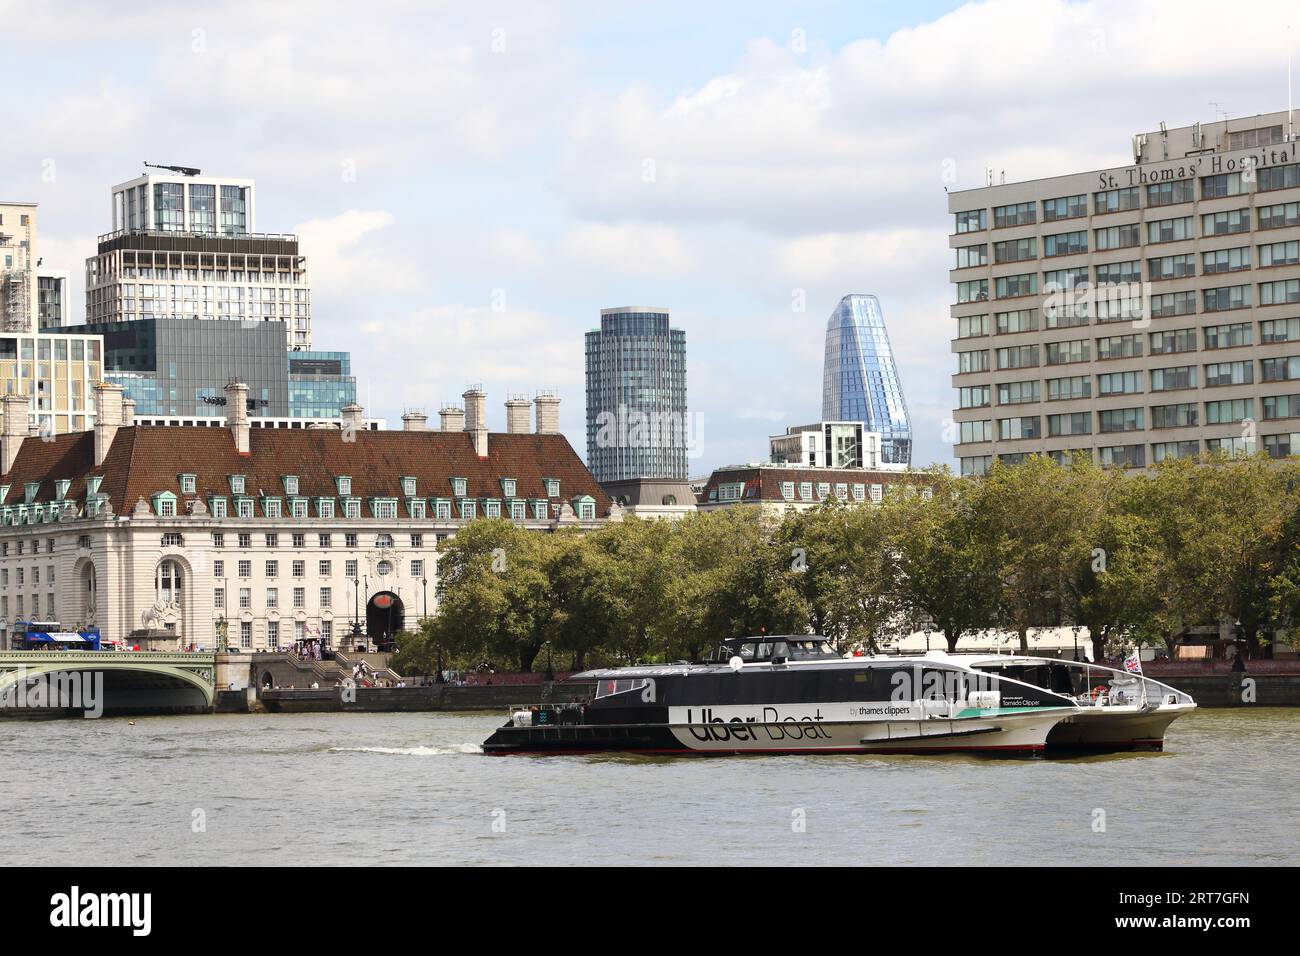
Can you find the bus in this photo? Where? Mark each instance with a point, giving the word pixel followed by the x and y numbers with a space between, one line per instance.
pixel 50 636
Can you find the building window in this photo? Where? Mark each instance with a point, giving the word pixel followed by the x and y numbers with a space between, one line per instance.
pixel 325 508
pixel 299 597
pixel 417 540
pixel 272 569
pixel 272 597
pixel 245 506
pixel 187 484
pixel 552 487
pixel 273 540
pixel 383 541
pixel 273 635
pixel 518 510
pixel 458 487
pixel 169 582
pixel 408 487
pixel 324 569
pixel 172 539
pixel 326 597
pixel 350 540
pixel 324 540
pixel 352 508
pixel 344 486
pixel 350 569
pixel 218 597
pixel 246 634
pixel 245 569
pixel 299 569
pixel 299 540
pixel 236 484
pixel 291 485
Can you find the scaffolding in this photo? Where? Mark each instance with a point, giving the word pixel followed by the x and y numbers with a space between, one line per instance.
pixel 15 290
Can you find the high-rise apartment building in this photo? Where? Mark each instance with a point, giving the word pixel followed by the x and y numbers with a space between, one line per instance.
pixel 1136 313
pixel 56 373
pixel 637 424
pixel 185 246
pixel 18 289
pixel 860 379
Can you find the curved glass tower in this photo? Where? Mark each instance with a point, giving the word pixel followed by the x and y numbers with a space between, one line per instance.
pixel 861 381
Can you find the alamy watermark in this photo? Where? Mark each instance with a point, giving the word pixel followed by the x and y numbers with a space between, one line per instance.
pixel 625 427
pixel 60 690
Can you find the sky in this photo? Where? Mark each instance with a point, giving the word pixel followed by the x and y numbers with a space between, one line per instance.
pixel 472 183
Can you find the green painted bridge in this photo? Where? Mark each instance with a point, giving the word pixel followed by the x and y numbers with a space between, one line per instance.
pixel 35 683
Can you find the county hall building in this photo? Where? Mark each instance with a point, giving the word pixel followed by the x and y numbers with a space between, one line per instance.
pixel 273 535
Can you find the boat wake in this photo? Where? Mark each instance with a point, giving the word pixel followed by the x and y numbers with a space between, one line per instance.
pixel 412 751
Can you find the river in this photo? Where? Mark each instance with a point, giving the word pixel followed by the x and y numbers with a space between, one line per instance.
pixel 412 788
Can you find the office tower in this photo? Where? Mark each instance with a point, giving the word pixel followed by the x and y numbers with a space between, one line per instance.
pixel 185 246
pixel 860 379
pixel 637 423
pixel 1137 313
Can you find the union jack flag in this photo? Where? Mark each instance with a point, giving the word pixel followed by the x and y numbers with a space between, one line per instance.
pixel 1133 663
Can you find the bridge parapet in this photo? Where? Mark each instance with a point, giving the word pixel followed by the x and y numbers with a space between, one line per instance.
pixel 159 669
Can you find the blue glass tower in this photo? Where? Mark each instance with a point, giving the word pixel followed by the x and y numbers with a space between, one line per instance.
pixel 860 381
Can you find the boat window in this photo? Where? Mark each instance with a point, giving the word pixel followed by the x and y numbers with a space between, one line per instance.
pixel 607 688
pixel 764 651
pixel 746 651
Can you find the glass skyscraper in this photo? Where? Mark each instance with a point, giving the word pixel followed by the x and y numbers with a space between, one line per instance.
pixel 637 425
pixel 860 380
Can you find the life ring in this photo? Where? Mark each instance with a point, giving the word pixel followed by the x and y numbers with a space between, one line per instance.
pixel 1098 691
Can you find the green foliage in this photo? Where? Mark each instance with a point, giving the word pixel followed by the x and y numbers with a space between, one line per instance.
pixel 1134 558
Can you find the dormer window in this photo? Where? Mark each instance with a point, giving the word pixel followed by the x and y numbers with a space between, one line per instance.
pixel 415 507
pixel 384 508
pixel 217 506
pixel 187 484
pixel 491 508
pixel 325 507
pixel 352 508
pixel 468 508
pixel 298 507
pixel 518 510
pixel 507 487
pixel 541 510
pixel 552 487
pixel 442 509
pixel 4 491
pixel 585 508
pixel 344 485
pixel 236 484
pixel 458 487
pixel 408 487
pixel 30 488
pixel 271 507
pixel 244 507
pixel 164 504
pixel 291 485
pixel 92 485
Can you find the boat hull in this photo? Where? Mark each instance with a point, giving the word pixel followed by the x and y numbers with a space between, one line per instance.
pixel 1115 730
pixel 1007 733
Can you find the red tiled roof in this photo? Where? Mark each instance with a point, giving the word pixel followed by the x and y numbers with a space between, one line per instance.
pixel 144 460
pixel 767 479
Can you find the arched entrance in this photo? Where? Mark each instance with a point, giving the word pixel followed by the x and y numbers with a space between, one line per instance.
pixel 385 616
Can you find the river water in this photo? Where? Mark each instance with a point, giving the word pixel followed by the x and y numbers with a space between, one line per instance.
pixel 412 788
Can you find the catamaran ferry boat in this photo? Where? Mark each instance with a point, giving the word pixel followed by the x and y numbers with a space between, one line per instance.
pixel 794 694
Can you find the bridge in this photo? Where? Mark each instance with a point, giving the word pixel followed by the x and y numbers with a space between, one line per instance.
pixel 132 682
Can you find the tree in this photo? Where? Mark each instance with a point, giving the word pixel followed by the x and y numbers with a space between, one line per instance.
pixel 945 574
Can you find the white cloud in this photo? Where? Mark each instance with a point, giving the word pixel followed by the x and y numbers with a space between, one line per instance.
pixel 634 248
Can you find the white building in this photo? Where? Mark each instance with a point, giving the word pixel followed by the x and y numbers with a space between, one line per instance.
pixel 830 445
pixel 279 534
pixel 186 245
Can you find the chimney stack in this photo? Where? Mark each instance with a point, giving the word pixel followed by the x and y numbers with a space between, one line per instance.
pixel 452 418
pixel 108 417
pixel 13 429
pixel 128 411
pixel 354 420
pixel 237 414
pixel 476 418
pixel 414 421
pixel 518 410
pixel 548 413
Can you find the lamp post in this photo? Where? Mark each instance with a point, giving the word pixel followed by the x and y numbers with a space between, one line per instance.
pixel 356 610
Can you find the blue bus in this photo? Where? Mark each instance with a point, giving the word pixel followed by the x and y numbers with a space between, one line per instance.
pixel 50 636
